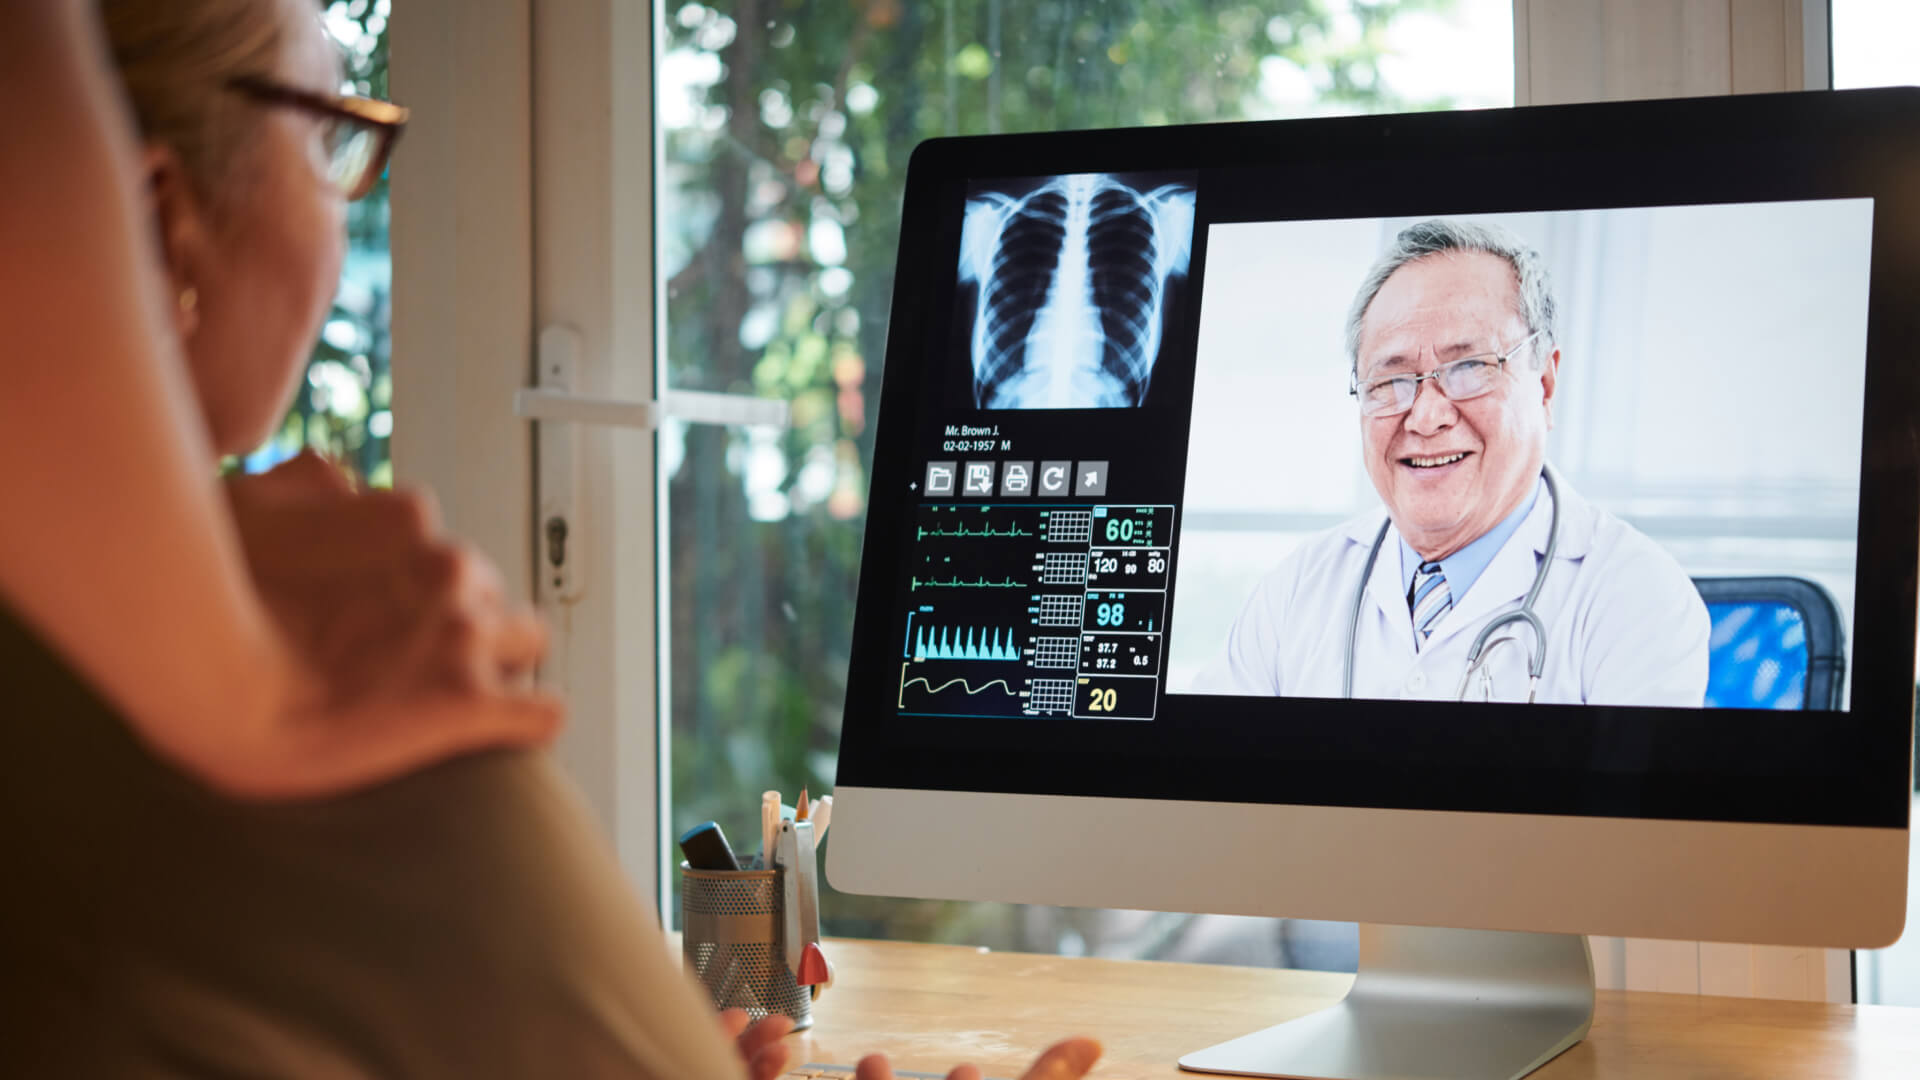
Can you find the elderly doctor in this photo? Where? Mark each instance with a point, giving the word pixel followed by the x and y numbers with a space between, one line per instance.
pixel 1487 577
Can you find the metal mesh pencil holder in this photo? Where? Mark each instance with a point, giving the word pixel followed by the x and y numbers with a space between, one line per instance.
pixel 734 940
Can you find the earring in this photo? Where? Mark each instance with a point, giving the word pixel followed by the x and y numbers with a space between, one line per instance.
pixel 189 299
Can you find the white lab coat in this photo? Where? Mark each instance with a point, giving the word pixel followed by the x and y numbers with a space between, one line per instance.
pixel 1625 625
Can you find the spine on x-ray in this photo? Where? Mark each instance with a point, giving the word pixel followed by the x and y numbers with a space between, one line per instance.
pixel 1072 287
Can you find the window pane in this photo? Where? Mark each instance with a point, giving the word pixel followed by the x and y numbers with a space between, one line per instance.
pixel 786 137
pixel 1873 45
pixel 344 406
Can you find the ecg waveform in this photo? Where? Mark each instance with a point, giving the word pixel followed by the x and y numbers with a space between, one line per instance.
pixel 977 583
pixel 1070 527
pixel 930 644
pixel 1056 652
pixel 1051 696
pixel 1064 568
pixel 987 533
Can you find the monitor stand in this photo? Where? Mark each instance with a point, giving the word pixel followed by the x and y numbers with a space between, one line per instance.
pixel 1431 1003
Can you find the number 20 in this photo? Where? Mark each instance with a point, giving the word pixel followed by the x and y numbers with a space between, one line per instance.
pixel 1101 700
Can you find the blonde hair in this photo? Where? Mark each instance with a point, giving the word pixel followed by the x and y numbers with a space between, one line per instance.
pixel 176 58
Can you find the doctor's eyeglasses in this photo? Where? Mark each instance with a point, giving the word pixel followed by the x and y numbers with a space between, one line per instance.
pixel 1463 379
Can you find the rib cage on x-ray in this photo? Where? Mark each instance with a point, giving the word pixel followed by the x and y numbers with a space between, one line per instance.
pixel 1072 285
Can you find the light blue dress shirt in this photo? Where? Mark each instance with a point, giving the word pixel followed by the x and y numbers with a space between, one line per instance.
pixel 1464 567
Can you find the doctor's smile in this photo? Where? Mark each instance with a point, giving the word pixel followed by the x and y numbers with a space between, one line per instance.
pixel 1434 462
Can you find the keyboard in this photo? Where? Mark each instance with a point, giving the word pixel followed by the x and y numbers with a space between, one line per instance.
pixel 845 1073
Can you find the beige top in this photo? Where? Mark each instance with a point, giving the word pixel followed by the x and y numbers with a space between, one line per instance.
pixel 467 921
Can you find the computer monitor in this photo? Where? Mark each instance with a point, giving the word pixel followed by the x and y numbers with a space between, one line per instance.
pixel 1502 523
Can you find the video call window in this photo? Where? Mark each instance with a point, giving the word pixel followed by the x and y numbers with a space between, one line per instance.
pixel 1690 377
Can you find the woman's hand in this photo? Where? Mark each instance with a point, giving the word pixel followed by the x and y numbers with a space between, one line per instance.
pixel 1066 1060
pixel 403 638
pixel 766 1055
pixel 369 592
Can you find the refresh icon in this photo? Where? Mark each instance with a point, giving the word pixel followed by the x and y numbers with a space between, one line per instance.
pixel 1056 477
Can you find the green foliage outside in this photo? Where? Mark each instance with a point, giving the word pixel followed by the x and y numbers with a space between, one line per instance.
pixel 787 128
pixel 344 407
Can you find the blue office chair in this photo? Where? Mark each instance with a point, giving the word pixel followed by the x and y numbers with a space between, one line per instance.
pixel 1776 643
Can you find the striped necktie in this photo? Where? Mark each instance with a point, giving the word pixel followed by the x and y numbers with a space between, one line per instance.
pixel 1429 598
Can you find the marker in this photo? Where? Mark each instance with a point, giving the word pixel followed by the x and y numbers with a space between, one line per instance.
pixel 706 848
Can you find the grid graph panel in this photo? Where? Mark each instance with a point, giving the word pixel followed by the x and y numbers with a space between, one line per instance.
pixel 1070 527
pixel 1061 611
pixel 1056 652
pixel 1050 696
pixel 1064 568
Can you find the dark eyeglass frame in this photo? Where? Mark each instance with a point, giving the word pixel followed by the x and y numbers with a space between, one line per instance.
pixel 385 119
pixel 1498 360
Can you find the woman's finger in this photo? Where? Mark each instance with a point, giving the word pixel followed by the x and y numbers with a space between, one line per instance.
pixel 306 473
pixel 433 728
pixel 1066 1060
pixel 964 1072
pixel 519 642
pixel 521 718
pixel 330 750
pixel 873 1067
pixel 734 1021
pixel 770 1063
pixel 768 1031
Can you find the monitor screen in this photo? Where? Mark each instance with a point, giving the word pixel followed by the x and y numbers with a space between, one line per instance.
pixel 1493 468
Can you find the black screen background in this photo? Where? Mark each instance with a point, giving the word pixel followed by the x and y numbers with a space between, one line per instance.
pixel 1837 768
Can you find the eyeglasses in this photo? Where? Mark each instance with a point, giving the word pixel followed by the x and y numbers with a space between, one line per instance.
pixel 1462 380
pixel 360 132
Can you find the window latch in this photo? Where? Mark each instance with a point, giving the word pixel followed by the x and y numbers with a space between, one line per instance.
pixel 560 413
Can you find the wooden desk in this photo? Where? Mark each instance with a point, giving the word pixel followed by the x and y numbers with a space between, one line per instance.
pixel 929 1007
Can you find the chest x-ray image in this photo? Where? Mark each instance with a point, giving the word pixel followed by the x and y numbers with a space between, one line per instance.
pixel 1070 281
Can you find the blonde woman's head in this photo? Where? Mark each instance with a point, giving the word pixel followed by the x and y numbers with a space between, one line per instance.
pixel 251 229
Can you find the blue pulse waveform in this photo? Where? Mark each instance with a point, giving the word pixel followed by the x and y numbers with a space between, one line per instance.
pixel 963 645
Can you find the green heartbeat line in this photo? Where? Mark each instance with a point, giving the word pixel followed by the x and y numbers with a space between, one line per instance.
pixel 989 531
pixel 977 583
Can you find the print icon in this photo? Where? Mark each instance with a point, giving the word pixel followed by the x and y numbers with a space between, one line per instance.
pixel 1016 479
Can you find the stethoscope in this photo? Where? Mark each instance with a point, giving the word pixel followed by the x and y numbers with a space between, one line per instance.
pixel 1478 654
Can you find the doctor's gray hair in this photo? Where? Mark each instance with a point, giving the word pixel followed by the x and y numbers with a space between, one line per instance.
pixel 1440 236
